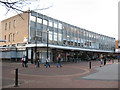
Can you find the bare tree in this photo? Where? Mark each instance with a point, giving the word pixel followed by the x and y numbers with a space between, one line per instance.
pixel 17 5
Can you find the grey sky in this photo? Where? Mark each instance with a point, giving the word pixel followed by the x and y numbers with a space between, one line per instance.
pixel 100 16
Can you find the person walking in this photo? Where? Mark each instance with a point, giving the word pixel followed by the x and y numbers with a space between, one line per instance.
pixel 38 63
pixel 23 61
pixel 88 58
pixel 118 57
pixel 47 62
pixel 101 60
pixel 59 61
pixel 104 59
pixel 26 61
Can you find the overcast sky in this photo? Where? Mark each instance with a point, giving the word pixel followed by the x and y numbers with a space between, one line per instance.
pixel 100 16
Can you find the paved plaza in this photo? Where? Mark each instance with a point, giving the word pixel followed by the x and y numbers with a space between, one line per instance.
pixel 70 75
pixel 109 72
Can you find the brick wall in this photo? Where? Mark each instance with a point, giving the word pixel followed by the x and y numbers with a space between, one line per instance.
pixel 116 44
pixel 16 29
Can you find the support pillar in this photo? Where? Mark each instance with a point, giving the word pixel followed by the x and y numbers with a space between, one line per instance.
pixel 27 54
pixel 32 55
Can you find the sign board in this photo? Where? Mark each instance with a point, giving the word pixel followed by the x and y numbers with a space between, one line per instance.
pixel 25 39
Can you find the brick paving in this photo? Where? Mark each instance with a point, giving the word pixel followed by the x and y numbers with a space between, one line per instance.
pixel 53 77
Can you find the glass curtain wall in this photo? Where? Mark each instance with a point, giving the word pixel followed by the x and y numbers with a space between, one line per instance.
pixel 72 36
pixel 64 34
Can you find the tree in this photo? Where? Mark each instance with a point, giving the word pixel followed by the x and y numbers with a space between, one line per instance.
pixel 17 5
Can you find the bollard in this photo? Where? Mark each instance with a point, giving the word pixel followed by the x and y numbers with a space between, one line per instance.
pixel 90 64
pixel 16 77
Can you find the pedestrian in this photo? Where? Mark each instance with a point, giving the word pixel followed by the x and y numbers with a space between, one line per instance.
pixel 47 62
pixel 62 60
pixel 73 59
pixel 118 57
pixel 23 60
pixel 101 60
pixel 59 61
pixel 26 61
pixel 38 63
pixel 88 58
pixel 104 60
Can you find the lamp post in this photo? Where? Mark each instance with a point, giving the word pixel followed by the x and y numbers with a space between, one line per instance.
pixel 35 50
pixel 47 31
pixel 36 40
pixel 47 41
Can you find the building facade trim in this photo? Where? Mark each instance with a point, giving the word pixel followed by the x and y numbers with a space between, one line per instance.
pixel 65 47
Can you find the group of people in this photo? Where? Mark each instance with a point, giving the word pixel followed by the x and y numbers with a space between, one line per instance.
pixel 25 62
pixel 59 59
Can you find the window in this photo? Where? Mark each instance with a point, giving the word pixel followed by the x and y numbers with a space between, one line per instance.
pixel 39 20
pixel 64 33
pixel 5 26
pixel 9 38
pixel 14 24
pixel 45 22
pixel 5 38
pixel 75 32
pixel 13 37
pixel 9 25
pixel 32 18
pixel 50 23
pixel 55 24
pixel 60 25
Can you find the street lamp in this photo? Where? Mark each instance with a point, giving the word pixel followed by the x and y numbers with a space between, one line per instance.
pixel 35 50
pixel 47 42
pixel 36 39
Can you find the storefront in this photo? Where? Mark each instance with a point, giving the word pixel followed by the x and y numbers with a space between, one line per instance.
pixel 68 54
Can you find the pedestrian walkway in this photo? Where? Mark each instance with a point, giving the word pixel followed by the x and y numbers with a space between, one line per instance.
pixel 108 72
pixel 0 74
pixel 68 76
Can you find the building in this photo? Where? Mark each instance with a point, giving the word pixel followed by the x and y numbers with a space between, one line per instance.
pixel 35 32
pixel 116 45
pixel 118 38
pixel 118 27
pixel 14 29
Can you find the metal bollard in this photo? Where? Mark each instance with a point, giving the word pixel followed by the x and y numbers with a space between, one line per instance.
pixel 90 64
pixel 16 77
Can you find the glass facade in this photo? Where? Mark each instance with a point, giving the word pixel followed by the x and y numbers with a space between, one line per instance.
pixel 64 34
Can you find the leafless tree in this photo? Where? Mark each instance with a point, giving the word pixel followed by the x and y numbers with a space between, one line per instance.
pixel 17 5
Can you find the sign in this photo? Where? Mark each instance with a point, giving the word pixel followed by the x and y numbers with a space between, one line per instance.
pixel 25 39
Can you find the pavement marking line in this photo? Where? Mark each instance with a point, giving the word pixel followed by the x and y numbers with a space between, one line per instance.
pixel 85 72
pixel 30 81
